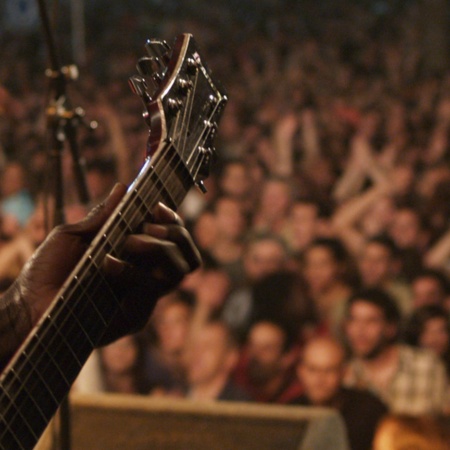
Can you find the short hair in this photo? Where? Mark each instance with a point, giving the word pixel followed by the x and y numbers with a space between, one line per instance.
pixel 436 275
pixel 379 298
pixel 335 246
pixel 231 340
pixel 253 238
pixel 288 337
pixel 417 322
pixel 386 242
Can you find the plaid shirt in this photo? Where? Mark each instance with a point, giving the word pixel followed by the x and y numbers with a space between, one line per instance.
pixel 419 386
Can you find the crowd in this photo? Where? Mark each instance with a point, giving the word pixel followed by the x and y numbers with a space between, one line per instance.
pixel 325 230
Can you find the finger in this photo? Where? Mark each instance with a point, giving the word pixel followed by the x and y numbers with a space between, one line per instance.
pixel 164 215
pixel 162 259
pixel 139 293
pixel 180 236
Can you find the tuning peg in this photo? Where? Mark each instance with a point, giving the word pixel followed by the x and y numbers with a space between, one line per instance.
pixel 211 128
pixel 184 85
pixel 174 104
pixel 138 85
pixel 146 66
pixel 158 49
pixel 202 187
pixel 192 65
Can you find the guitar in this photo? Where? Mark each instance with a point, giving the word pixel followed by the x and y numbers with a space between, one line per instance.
pixel 182 106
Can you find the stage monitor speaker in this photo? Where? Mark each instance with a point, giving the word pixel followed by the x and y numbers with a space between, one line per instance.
pixel 118 422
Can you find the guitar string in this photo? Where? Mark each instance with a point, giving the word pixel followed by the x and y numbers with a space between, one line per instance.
pixel 81 274
pixel 185 123
pixel 13 399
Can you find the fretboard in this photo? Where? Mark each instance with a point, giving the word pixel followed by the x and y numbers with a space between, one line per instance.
pixel 43 370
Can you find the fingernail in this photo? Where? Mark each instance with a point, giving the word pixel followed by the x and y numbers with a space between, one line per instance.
pixel 157 231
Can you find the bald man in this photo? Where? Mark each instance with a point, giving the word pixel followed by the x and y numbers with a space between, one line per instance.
pixel 321 371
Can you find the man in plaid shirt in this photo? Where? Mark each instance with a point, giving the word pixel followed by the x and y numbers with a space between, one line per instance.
pixel 408 380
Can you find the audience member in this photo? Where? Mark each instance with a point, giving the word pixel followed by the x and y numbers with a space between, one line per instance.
pixel 326 269
pixel 267 366
pixel 271 214
pixel 119 367
pixel 283 297
pixel 401 432
pixel 379 267
pixel 336 131
pixel 406 379
pixel 429 328
pixel 263 254
pixel 302 226
pixel 321 373
pixel 211 356
pixel 171 323
pixel 230 226
pixel 429 287
pixel 16 203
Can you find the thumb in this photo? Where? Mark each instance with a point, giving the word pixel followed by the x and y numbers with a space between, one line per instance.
pixel 99 214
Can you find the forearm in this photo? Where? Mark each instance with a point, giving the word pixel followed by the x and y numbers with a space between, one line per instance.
pixel 439 253
pixel 15 324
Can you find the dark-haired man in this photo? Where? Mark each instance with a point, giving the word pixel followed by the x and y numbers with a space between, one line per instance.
pixel 267 369
pixel 408 380
pixel 379 266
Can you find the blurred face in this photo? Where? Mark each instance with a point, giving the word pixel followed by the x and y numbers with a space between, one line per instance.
pixel 213 288
pixel 367 331
pixel 235 181
pixel 378 217
pixel 229 218
pixel 265 350
pixel 12 179
pixel 405 229
pixel 435 336
pixel 426 291
pixel 120 356
pixel 321 270
pixel 375 264
pixel 205 230
pixel 172 327
pixel 304 223
pixel 275 198
pixel 321 371
pixel 208 355
pixel 36 226
pixel 263 258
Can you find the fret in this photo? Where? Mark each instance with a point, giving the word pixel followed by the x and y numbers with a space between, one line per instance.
pixel 14 425
pixel 51 349
pixel 32 416
pixel 123 224
pixel 142 210
pixel 36 388
pixel 174 175
pixel 70 325
pixel 164 194
pixel 69 348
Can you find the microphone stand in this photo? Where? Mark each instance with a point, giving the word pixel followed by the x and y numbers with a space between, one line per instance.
pixel 62 123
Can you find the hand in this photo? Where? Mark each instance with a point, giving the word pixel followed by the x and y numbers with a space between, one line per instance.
pixel 154 263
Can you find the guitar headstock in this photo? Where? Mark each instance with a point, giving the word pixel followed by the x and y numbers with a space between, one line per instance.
pixel 182 103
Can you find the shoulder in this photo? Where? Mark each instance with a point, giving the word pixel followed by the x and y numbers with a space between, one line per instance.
pixel 362 397
pixel 417 357
pixel 233 392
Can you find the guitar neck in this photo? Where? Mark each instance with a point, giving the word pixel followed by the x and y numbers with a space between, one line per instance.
pixel 43 370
